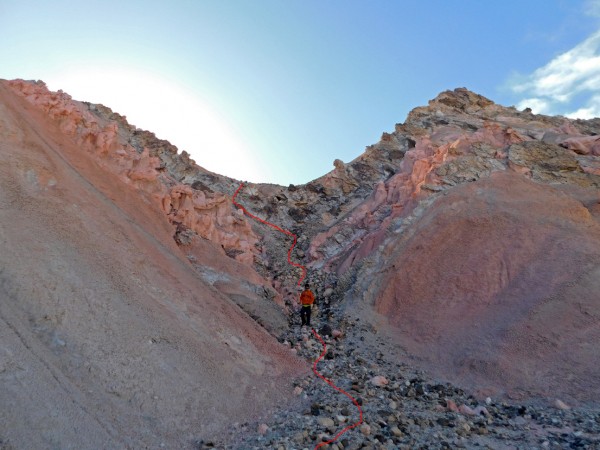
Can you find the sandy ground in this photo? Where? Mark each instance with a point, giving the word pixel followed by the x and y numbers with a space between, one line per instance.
pixel 108 337
pixel 496 287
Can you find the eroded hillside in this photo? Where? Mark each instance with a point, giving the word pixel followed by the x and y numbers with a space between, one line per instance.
pixel 110 339
pixel 468 237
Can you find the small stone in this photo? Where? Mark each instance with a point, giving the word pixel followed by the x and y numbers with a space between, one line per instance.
pixel 336 334
pixel 466 410
pixel 326 422
pixel 297 391
pixel 482 430
pixel 365 429
pixel 299 438
pixel 321 437
pixel 325 330
pixel 561 405
pixel 481 410
pixel 451 405
pixel 379 381
pixel 396 431
pixel 488 401
pixel 263 428
pixel 393 405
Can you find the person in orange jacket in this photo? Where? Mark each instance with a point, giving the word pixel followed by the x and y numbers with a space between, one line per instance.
pixel 307 298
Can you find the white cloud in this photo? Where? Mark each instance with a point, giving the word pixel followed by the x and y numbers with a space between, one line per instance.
pixel 591 110
pixel 592 8
pixel 552 88
pixel 538 105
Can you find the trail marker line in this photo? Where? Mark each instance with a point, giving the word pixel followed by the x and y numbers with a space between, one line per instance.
pixel 272 225
pixel 330 383
pixel 289 256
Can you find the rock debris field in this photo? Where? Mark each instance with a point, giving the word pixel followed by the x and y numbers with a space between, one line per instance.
pixel 403 408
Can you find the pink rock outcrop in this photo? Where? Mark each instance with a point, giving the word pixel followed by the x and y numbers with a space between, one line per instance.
pixel 113 335
pixel 210 215
pixel 485 273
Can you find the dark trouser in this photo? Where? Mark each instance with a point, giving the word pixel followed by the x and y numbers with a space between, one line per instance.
pixel 305 315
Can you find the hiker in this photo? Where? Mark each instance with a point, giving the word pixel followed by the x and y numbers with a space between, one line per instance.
pixel 307 298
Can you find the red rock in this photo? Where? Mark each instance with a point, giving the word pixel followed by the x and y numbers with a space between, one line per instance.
pixel 379 381
pixel 451 405
pixel 466 410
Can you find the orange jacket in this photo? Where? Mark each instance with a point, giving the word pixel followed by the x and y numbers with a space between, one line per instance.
pixel 307 297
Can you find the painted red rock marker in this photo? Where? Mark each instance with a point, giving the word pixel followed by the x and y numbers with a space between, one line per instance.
pixel 326 380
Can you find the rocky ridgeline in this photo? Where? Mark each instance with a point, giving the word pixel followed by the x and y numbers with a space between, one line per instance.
pixel 344 216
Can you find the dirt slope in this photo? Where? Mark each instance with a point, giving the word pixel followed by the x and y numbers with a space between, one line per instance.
pixel 496 286
pixel 109 339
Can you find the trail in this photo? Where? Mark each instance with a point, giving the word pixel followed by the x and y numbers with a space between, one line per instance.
pixel 272 225
pixel 326 380
pixel 330 383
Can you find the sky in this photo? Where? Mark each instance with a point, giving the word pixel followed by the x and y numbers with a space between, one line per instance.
pixel 274 91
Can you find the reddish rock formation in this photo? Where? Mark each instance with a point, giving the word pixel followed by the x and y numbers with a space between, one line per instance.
pixel 497 284
pixel 110 338
pixel 539 176
pixel 206 213
pixel 469 235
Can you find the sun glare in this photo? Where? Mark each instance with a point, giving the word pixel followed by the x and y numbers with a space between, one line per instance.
pixel 168 110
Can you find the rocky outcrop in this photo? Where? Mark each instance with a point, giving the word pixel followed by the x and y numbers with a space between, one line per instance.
pixel 110 337
pixel 458 138
pixel 487 274
pixel 150 165
pixel 508 256
pixel 421 184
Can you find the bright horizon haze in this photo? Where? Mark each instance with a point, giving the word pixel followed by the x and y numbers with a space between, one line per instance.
pixel 272 91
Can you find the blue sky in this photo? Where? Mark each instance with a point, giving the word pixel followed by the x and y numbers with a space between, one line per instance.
pixel 274 91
